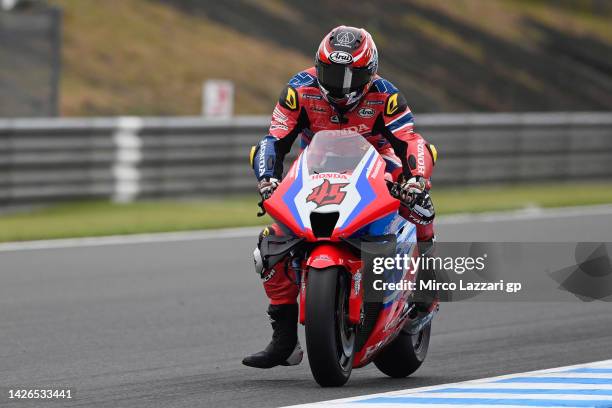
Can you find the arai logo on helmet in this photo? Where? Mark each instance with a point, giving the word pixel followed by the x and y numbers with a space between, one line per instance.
pixel 341 57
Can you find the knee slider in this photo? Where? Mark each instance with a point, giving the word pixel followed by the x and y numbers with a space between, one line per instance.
pixel 258 261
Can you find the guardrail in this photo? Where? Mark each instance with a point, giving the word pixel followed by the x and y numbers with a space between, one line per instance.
pixel 45 160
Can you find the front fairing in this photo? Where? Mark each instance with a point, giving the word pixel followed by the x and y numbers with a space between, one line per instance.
pixel 348 198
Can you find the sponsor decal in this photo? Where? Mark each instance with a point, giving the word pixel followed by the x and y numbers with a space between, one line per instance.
pixel 281 127
pixel 327 193
pixel 357 282
pixel 262 157
pixel 291 99
pixel 267 275
pixel 318 109
pixel 329 176
pixel 345 38
pixel 279 116
pixel 311 96
pixel 366 112
pixel 361 128
pixel 335 119
pixel 421 157
pixel 341 57
pixel 392 105
pixel 375 102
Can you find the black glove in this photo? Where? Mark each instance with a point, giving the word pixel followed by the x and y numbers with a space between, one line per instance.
pixel 414 194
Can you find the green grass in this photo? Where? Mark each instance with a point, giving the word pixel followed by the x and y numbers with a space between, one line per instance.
pixel 501 198
pixel 104 218
pixel 147 57
pixel 144 57
pixel 101 218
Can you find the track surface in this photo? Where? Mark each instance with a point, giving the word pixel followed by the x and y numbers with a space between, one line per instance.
pixel 166 324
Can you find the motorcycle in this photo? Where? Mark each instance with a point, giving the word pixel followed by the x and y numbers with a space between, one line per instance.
pixel 339 211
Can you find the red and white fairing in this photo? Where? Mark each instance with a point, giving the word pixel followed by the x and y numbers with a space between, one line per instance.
pixel 359 195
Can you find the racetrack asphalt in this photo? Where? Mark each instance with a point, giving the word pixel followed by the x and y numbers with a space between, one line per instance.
pixel 166 324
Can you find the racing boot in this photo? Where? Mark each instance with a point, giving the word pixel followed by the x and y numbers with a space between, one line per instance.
pixel 284 349
pixel 427 301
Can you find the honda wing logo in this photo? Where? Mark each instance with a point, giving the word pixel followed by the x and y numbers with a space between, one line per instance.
pixel 327 193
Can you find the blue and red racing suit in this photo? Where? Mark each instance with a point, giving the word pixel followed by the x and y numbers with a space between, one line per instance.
pixel 382 117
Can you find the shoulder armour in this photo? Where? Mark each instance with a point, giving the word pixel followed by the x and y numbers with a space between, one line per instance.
pixel 383 86
pixel 395 103
pixel 303 79
pixel 289 98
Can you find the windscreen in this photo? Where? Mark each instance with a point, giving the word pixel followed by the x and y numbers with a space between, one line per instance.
pixel 335 151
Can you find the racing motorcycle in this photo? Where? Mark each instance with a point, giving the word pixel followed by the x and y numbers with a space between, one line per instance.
pixel 337 207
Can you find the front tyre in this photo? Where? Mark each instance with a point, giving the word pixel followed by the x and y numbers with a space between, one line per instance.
pixel 330 340
pixel 405 354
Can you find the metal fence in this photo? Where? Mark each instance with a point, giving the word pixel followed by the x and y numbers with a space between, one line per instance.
pixel 46 160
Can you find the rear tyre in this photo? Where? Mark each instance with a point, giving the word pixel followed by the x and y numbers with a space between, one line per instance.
pixel 404 355
pixel 330 340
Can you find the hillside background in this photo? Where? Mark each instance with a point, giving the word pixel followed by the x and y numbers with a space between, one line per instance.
pixel 150 57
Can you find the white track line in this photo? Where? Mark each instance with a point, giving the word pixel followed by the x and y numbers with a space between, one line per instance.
pixel 253 231
pixel 131 239
pixel 527 214
pixel 523 390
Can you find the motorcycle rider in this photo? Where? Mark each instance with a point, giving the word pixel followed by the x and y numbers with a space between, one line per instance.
pixel 342 91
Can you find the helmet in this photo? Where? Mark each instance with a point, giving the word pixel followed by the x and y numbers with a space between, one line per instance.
pixel 346 63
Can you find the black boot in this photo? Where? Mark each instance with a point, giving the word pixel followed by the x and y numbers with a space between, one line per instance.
pixel 426 300
pixel 284 349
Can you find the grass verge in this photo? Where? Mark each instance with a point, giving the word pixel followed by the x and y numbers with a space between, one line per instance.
pixel 102 218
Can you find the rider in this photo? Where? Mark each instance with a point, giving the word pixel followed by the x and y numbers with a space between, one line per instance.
pixel 342 91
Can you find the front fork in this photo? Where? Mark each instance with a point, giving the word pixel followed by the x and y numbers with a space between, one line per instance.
pixel 324 256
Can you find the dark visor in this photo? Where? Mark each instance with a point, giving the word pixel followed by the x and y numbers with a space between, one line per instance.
pixel 340 80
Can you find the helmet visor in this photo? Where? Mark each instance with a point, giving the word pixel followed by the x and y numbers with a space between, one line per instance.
pixel 340 80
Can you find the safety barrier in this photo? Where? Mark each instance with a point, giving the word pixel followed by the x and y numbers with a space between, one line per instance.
pixel 46 160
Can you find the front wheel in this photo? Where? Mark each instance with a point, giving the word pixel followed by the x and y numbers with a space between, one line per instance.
pixel 405 354
pixel 330 340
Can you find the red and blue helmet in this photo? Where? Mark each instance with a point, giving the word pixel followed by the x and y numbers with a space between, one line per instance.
pixel 346 63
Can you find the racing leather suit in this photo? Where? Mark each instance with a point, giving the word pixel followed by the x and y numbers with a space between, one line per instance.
pixel 382 117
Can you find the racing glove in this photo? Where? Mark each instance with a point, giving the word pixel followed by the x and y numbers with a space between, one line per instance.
pixel 414 194
pixel 266 187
